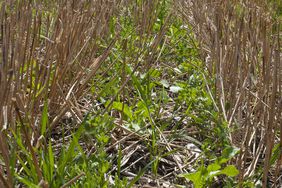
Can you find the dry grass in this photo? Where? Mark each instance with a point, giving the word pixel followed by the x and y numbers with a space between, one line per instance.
pixel 240 42
pixel 49 52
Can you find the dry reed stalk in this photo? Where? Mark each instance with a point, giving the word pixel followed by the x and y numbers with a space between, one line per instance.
pixel 50 51
pixel 244 55
pixel 46 51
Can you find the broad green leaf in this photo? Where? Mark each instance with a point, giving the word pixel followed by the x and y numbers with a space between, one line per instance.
pixel 213 167
pixel 230 171
pixel 123 108
pixel 213 170
pixel 196 178
pixel 213 174
pixel 228 153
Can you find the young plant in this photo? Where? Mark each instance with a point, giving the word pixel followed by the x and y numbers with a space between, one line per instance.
pixel 204 176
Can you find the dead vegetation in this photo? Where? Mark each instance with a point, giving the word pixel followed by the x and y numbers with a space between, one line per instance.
pixel 54 53
pixel 241 43
pixel 49 52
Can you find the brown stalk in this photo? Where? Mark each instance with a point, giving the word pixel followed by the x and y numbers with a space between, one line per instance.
pixel 70 182
pixel 241 49
pixel 45 49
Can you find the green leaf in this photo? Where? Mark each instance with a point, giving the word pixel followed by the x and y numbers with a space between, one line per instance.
pixel 213 167
pixel 228 153
pixel 275 154
pixel 137 84
pixel 196 178
pixel 123 108
pixel 44 118
pixel 51 159
pixel 230 171
pixel 213 174
pixel 213 170
pixel 26 182
pixel 69 154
